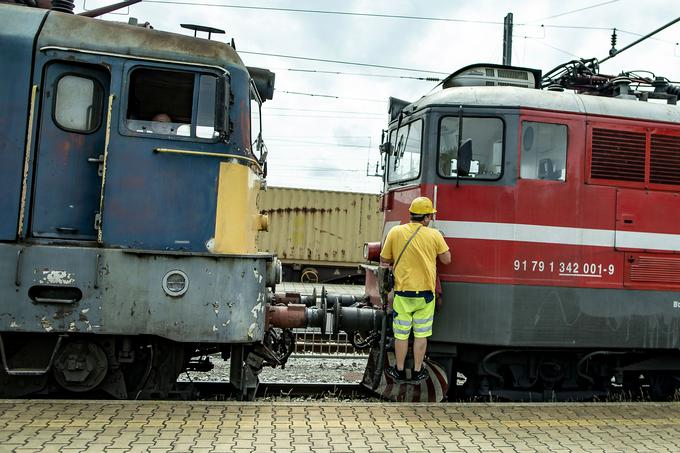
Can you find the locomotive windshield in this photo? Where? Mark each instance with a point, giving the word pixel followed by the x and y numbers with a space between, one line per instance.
pixel 174 103
pixel 487 146
pixel 405 158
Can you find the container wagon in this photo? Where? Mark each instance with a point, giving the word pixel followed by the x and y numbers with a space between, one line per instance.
pixel 318 235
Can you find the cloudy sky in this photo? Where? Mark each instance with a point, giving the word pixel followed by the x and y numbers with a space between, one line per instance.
pixel 323 126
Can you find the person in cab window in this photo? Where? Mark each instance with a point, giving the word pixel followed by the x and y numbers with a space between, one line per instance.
pixel 163 124
pixel 414 249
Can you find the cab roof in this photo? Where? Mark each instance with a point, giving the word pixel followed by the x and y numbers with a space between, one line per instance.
pixel 509 97
pixel 99 36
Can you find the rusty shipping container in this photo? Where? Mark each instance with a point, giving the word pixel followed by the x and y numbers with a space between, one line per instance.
pixel 319 234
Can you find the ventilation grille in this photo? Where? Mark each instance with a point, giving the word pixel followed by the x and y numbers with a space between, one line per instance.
pixel 509 84
pixel 618 155
pixel 664 167
pixel 655 269
pixel 511 74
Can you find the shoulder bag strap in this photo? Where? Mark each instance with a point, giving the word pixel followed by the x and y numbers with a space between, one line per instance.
pixel 406 245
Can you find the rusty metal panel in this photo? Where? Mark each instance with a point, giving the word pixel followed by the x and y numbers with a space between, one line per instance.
pixel 122 292
pixel 319 226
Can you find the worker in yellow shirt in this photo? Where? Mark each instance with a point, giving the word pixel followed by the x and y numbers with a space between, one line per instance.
pixel 414 249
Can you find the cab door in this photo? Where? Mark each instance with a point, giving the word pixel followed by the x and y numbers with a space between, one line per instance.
pixel 547 200
pixel 70 151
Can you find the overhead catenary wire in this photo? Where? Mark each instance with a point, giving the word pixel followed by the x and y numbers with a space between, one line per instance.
pixel 286 165
pixel 331 96
pixel 307 142
pixel 363 74
pixel 539 41
pixel 320 169
pixel 410 17
pixel 373 15
pixel 326 60
pixel 330 12
pixel 358 116
pixel 328 117
pixel 578 10
pixel 428 71
pixel 325 111
pixel 291 137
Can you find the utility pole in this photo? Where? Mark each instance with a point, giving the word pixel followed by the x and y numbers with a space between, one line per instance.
pixel 507 40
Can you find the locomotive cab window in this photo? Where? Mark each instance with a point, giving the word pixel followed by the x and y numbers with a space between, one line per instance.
pixel 78 103
pixel 486 135
pixel 256 123
pixel 544 151
pixel 173 103
pixel 404 159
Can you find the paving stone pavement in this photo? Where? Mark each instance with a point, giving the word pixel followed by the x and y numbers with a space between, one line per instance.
pixel 151 426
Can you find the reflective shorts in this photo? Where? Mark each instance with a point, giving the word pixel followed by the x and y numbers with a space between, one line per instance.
pixel 412 312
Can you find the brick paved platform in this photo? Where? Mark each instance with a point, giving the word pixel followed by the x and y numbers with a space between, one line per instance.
pixel 96 426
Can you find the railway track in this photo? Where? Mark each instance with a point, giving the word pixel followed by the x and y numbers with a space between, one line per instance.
pixel 224 391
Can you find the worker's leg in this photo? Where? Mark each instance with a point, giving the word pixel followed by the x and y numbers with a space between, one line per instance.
pixel 401 326
pixel 419 348
pixel 422 328
pixel 400 350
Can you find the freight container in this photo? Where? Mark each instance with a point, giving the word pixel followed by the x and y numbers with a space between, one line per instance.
pixel 319 234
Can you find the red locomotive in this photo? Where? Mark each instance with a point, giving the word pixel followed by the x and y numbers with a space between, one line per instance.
pixel 561 206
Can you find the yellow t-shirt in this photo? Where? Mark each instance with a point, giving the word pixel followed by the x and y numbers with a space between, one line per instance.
pixel 417 269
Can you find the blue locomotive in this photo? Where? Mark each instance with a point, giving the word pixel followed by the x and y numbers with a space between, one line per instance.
pixel 128 182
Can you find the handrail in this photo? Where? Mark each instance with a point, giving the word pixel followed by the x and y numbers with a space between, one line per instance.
pixel 27 159
pixel 99 220
pixel 209 154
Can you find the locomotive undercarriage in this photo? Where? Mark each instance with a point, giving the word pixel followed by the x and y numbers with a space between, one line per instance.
pixel 120 367
pixel 563 375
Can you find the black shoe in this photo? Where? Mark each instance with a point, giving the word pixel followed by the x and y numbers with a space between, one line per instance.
pixel 420 375
pixel 394 373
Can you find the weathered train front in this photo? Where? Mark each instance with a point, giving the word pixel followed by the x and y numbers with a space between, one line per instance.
pixel 127 236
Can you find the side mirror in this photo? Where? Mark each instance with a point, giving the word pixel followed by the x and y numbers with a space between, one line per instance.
pixel 264 82
pixel 386 148
pixel 464 157
pixel 222 106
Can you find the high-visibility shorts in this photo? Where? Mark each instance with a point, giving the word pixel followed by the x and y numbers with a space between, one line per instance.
pixel 415 313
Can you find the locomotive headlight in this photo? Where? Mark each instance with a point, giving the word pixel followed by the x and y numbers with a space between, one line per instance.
pixel 175 283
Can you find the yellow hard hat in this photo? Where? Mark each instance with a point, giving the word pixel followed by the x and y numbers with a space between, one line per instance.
pixel 422 206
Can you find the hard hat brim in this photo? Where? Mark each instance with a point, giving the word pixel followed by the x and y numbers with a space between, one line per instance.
pixel 433 211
